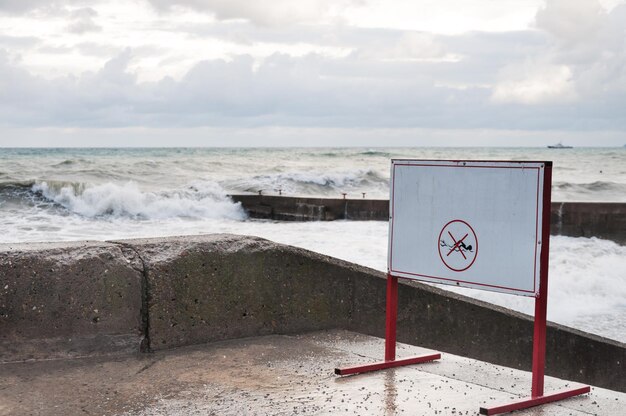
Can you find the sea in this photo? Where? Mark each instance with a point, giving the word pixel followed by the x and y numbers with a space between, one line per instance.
pixel 71 194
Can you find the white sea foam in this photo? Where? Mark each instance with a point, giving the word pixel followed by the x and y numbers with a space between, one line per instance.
pixel 316 182
pixel 202 200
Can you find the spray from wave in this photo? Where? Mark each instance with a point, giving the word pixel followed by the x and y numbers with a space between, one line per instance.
pixel 594 191
pixel 201 200
pixel 315 183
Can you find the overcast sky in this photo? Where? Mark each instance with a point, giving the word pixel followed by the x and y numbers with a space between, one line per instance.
pixel 312 72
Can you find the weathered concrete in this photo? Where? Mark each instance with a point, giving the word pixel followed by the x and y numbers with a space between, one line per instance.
pixel 575 219
pixel 277 375
pixel 209 288
pixel 67 299
pixel 590 219
pixel 313 209
pixel 100 297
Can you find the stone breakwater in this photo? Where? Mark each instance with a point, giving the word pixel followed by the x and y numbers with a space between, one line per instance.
pixel 61 300
pixel 605 220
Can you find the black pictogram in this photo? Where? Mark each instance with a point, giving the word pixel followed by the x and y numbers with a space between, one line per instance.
pixel 458 245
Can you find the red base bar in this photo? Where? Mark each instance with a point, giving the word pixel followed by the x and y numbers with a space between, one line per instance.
pixel 533 401
pixel 386 364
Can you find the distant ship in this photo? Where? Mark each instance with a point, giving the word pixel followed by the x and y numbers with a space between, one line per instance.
pixel 559 145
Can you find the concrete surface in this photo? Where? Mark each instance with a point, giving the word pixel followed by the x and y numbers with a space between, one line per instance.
pixel 77 299
pixel 67 299
pixel 276 375
pixel 209 288
pixel 575 219
pixel 286 208
pixel 589 219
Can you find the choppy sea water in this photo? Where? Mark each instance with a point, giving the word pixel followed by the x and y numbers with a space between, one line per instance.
pixel 101 194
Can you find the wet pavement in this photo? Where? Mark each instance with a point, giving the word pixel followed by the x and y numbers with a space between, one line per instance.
pixel 277 375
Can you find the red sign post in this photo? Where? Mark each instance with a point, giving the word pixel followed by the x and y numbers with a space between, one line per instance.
pixel 457 248
pixel 390 338
pixel 537 395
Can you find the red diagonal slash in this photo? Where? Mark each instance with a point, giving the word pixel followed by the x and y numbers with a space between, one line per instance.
pixel 456 244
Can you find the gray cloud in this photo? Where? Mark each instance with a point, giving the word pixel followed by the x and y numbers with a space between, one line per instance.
pixel 482 54
pixel 549 78
pixel 83 26
pixel 97 49
pixel 276 12
pixel 584 60
pixel 82 21
pixel 572 21
pixel 9 41
pixel 20 6
pixel 83 13
pixel 309 91
pixel 17 7
pixel 55 50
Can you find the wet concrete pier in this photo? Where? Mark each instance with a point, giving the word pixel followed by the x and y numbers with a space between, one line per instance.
pixel 276 375
pixel 605 220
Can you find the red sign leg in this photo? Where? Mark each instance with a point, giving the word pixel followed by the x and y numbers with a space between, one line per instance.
pixel 391 312
pixel 541 302
pixel 534 401
pixel 539 341
pixel 539 337
pixel 392 318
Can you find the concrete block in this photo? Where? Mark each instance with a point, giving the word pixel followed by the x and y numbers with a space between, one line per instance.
pixel 590 219
pixel 67 299
pixel 209 288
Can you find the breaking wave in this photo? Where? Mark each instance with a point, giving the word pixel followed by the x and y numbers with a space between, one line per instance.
pixel 315 183
pixel 73 162
pixel 375 153
pixel 594 191
pixel 201 200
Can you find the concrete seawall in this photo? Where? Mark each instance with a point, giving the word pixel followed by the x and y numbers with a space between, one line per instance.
pixel 68 299
pixel 72 299
pixel 575 219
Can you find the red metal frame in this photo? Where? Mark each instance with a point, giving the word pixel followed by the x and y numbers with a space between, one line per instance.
pixel 391 318
pixel 539 336
pixel 534 401
pixel 390 339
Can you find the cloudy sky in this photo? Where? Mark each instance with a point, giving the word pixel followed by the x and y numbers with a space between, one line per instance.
pixel 312 72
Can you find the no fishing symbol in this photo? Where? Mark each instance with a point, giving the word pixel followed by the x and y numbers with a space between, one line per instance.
pixel 458 245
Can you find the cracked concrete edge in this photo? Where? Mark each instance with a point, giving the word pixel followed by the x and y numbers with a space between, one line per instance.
pixel 139 264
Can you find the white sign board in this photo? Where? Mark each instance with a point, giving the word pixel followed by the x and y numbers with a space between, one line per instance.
pixel 476 224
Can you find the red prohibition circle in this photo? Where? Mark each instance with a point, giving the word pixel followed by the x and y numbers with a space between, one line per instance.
pixel 439 246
